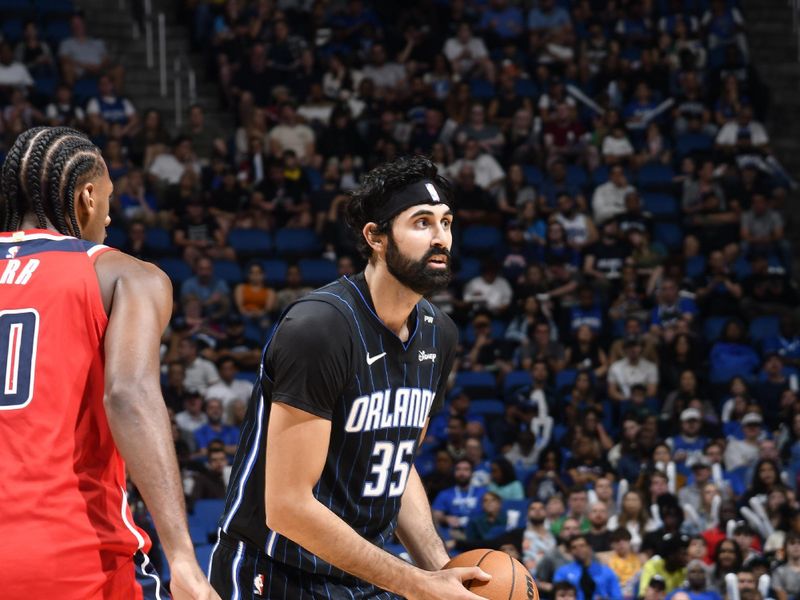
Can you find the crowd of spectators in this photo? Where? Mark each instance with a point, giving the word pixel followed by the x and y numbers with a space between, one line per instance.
pixel 623 414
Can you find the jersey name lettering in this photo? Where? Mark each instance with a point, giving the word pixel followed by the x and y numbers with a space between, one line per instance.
pixel 14 275
pixel 403 407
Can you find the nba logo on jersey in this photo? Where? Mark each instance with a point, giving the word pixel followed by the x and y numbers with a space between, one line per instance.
pixel 12 252
pixel 432 191
pixel 258 584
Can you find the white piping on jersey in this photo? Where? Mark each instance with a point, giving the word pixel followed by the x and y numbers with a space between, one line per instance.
pixel 94 249
pixel 248 465
pixel 211 556
pixel 237 560
pixel 273 539
pixel 15 239
pixel 140 540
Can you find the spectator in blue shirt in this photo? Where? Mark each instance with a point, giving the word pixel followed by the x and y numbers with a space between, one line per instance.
pixel 672 311
pixel 215 429
pixel 213 293
pixel 591 578
pixel 547 16
pixel 502 22
pixel 696 587
pixel 453 506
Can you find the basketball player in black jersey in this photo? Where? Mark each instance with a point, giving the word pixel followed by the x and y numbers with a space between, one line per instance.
pixel 324 474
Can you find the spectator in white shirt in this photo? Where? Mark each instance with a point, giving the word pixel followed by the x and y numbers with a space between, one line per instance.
pixel 290 134
pixel 744 452
pixel 632 370
pixel 609 198
pixel 13 74
pixel 168 167
pixel 192 417
pixel 489 175
pixel 387 76
pixel 468 55
pixel 617 147
pixel 200 372
pixel 489 290
pixel 83 56
pixel 229 389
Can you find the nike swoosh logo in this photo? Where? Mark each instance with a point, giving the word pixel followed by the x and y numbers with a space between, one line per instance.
pixel 372 359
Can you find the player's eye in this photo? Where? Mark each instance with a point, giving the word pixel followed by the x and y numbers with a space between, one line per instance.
pixel 446 223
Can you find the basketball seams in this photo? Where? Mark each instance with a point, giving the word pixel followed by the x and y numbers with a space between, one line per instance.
pixel 478 564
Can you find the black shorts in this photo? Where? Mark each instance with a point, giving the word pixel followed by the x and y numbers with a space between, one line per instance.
pixel 238 571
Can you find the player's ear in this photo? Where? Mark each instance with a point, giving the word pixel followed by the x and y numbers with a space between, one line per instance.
pixel 375 239
pixel 84 203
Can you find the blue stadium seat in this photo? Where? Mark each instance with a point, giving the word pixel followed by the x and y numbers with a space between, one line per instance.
pixel 57 31
pixel 655 176
pixel 84 89
pixel 296 242
pixel 318 271
pixel 696 266
pixel 565 378
pixel 533 175
pixel 476 383
pixel 691 143
pixel 764 327
pixel 480 240
pixel 515 381
pixel 12 30
pixel 314 178
pixel 203 554
pixel 669 234
pixel 498 331
pixel 159 240
pixel 115 237
pixel 21 8
pixel 577 176
pixel 469 267
pixel 662 206
pixel 49 8
pixel 176 269
pixel 481 89
pixel 712 328
pixel 275 271
pixel 250 376
pixel 46 86
pixel 207 512
pixel 526 88
pixel 229 271
pixel 250 242
pixel 487 407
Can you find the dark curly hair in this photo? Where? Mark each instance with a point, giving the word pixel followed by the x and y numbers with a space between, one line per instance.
pixel 377 187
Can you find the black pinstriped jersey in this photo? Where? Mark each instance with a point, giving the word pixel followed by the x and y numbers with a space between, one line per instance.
pixel 332 356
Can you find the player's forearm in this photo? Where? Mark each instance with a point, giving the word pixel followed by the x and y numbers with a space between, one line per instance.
pixel 313 526
pixel 415 527
pixel 140 425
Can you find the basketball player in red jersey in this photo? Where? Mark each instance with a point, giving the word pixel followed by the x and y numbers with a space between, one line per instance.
pixel 80 326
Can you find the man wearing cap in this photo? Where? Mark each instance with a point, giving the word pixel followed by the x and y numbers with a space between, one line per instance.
pixel 669 563
pixel 688 443
pixel 632 370
pixel 692 494
pixel 744 452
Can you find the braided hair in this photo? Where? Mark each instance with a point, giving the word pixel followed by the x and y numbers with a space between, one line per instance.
pixel 40 175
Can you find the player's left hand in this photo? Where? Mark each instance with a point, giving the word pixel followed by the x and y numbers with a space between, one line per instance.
pixel 189 582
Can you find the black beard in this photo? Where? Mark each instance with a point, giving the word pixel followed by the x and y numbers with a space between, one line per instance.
pixel 417 275
pixel 536 522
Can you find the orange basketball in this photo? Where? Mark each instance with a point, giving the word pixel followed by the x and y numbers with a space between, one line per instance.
pixel 510 579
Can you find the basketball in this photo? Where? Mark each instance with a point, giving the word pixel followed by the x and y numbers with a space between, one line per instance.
pixel 510 579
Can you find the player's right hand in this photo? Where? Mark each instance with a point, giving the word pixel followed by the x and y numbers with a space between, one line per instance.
pixel 189 582
pixel 448 584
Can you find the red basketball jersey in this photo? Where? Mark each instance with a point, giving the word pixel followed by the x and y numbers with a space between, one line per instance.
pixel 65 527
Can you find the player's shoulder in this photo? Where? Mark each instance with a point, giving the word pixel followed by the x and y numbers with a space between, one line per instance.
pixel 115 266
pixel 433 315
pixel 315 317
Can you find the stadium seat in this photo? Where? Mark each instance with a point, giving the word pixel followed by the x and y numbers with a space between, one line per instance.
pixel 176 269
pixel 655 176
pixel 526 88
pixel 692 143
pixel 318 271
pixel 314 178
pixel 250 376
pixel 18 8
pixel 533 175
pixel 468 267
pixel 203 554
pixel 115 237
pixel 481 89
pixel 565 378
pixel 498 331
pixel 50 8
pixel 669 234
pixel 84 89
pixel 712 328
pixel 487 407
pixel 476 383
pixel 229 271
pixel 12 30
pixel 45 86
pixel 577 176
pixel 515 381
pixel 479 240
pixel 764 327
pixel 57 31
pixel 296 242
pixel 274 271
pixel 696 266
pixel 661 206
pixel 158 240
pixel 249 243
